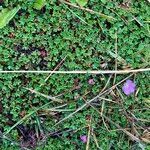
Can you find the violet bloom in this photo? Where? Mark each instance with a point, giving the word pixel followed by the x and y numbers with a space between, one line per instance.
pixel 43 53
pixel 83 138
pixel 91 81
pixel 129 87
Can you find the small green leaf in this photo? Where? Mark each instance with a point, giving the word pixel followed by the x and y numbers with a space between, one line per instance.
pixel 104 1
pixel 39 4
pixel 6 15
pixel 82 2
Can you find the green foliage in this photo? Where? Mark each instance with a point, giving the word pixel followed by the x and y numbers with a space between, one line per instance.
pixel 39 4
pixel 39 40
pixel 82 2
pixel 104 1
pixel 6 15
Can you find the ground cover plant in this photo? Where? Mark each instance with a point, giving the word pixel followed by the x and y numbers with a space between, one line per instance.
pixel 74 111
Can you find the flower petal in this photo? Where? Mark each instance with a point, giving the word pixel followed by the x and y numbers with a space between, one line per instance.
pixel 129 87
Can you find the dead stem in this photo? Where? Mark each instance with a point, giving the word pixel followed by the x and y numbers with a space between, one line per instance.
pixel 89 133
pixel 116 54
pixel 93 99
pixel 56 68
pixel 80 71
pixel 88 10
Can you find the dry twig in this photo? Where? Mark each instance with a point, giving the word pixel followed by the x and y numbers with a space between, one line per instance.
pixel 80 71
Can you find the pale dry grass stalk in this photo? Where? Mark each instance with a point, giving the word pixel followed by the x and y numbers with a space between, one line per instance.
pixel 89 133
pixel 87 10
pixel 80 71
pixel 56 68
pixel 93 99
pixel 46 96
pixel 116 53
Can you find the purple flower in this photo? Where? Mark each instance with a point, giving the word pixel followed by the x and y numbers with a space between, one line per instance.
pixel 43 53
pixel 91 81
pixel 83 138
pixel 129 87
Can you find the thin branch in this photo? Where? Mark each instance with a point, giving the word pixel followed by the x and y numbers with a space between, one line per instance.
pixel 25 117
pixel 106 84
pixel 43 95
pixel 91 100
pixel 89 133
pixel 80 71
pixel 125 131
pixel 118 126
pixel 88 10
pixel 56 68
pixel 95 140
pixel 116 52
pixel 77 16
pixel 102 109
